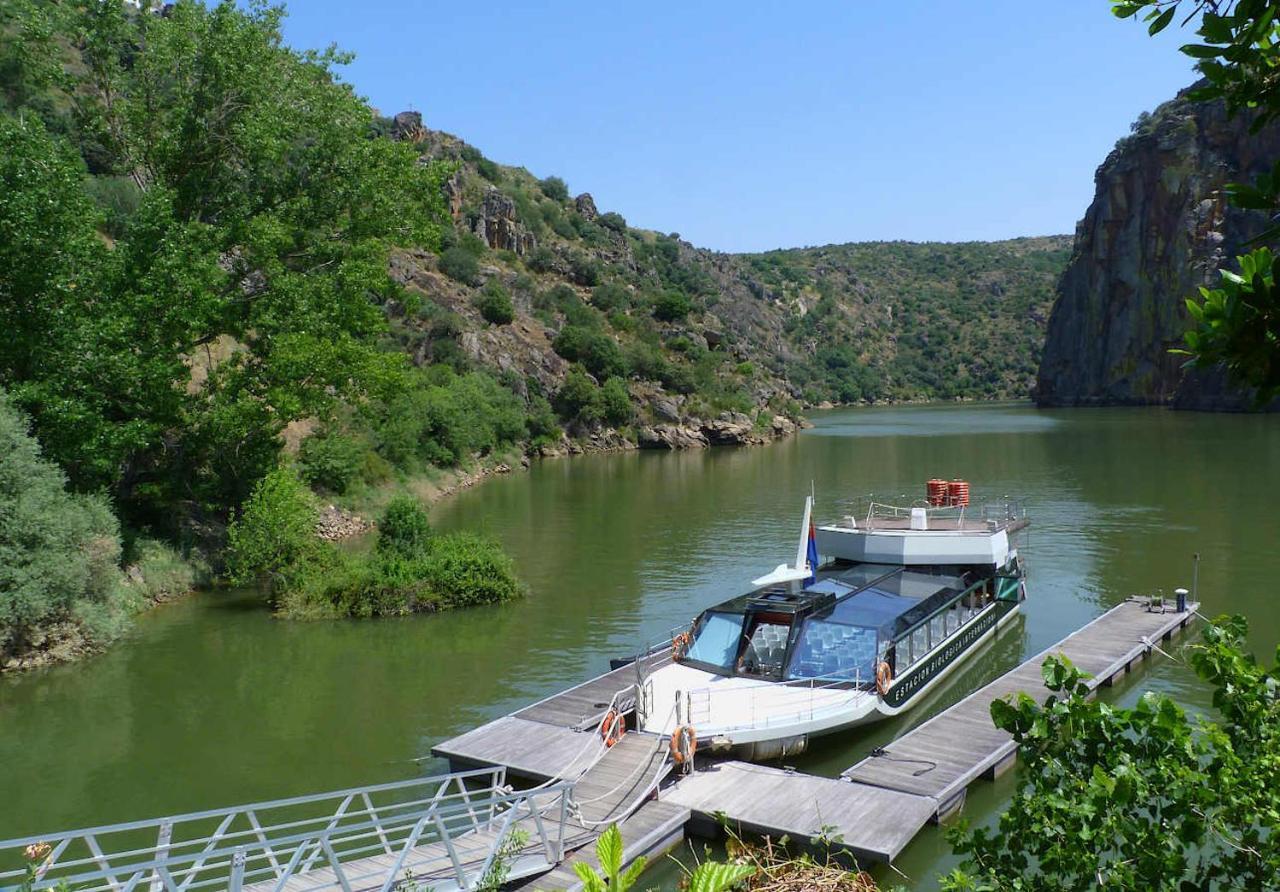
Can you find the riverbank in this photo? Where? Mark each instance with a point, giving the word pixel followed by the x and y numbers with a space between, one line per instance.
pixel 157 576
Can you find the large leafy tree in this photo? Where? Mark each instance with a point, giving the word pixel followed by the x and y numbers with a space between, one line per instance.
pixel 1144 798
pixel 245 290
pixel 1237 324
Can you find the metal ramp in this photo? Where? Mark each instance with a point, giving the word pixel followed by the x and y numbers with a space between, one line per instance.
pixel 443 832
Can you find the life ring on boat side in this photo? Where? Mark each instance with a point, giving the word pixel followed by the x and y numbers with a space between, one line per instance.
pixel 684 743
pixel 680 646
pixel 613 727
pixel 884 677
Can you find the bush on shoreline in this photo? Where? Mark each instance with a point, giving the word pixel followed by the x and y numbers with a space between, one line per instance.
pixel 409 571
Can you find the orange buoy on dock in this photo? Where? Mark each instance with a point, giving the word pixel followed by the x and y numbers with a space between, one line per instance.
pixel 958 493
pixel 937 492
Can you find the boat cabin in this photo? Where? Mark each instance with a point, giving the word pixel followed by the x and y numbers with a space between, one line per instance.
pixel 837 628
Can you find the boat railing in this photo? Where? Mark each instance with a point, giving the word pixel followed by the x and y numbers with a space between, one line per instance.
pixel 873 514
pixel 923 636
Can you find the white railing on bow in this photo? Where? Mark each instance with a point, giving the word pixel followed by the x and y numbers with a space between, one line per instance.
pixel 442 832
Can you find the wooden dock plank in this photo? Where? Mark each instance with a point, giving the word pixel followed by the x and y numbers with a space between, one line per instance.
pixel 872 822
pixel 584 705
pixel 655 828
pixel 960 744
pixel 528 749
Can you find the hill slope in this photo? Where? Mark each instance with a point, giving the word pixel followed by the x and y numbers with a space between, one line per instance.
pixel 703 332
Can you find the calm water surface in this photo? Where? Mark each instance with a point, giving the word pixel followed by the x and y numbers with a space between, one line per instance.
pixel 212 702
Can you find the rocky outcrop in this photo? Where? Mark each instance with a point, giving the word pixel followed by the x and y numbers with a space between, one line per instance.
pixel 728 429
pixel 498 226
pixel 586 206
pixel 1158 228
pixel 335 523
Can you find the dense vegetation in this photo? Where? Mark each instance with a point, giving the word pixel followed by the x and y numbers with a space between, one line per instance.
pixel 196 224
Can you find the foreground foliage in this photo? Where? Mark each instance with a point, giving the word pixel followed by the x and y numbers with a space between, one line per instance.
pixel 1142 798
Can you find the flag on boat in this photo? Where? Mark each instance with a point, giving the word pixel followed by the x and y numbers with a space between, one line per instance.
pixel 812 555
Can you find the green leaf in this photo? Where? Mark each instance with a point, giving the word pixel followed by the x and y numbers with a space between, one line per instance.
pixel 609 851
pixel 716 876
pixel 1162 21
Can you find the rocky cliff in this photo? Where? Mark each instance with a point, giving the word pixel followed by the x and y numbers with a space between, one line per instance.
pixel 1158 229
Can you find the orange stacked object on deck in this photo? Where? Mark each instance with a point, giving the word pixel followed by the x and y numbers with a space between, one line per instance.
pixel 958 493
pixel 937 490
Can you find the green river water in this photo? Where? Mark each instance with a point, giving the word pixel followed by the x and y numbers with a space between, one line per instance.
pixel 210 701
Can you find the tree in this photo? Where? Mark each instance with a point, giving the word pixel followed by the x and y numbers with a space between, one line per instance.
pixel 1141 798
pixel 494 304
pixel 274 537
pixel 245 292
pixel 671 306
pixel 404 529
pixel 578 398
pixel 1237 325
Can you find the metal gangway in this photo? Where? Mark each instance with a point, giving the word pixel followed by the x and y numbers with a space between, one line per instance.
pixel 464 830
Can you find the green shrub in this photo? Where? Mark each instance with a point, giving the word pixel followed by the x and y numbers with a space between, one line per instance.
pixel 584 270
pixel 671 306
pixel 615 402
pixel 541 260
pixel 646 361
pixel 466 569
pixel 578 398
pixel 554 188
pixel 454 570
pixel 59 551
pixel 332 460
pixel 542 421
pixel 443 418
pixel 494 303
pixel 404 528
pixel 274 535
pixel 610 296
pixel 597 352
pixel 162 573
pixel 613 221
pixel 461 265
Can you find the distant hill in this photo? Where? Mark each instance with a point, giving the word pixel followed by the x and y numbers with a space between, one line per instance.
pixel 706 332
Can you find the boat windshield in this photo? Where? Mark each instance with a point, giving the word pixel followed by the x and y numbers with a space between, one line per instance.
pixel 717 640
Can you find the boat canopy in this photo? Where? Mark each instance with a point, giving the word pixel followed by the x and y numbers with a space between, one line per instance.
pixel 835 628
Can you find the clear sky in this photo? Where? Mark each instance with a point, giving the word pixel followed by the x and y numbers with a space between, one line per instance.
pixel 749 126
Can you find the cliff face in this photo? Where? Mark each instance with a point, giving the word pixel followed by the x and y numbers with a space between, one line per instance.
pixel 1157 229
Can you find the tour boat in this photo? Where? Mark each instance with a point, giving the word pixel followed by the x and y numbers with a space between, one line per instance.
pixel 873 614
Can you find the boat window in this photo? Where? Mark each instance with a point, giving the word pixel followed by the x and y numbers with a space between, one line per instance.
pixel 718 639
pixel 766 649
pixel 835 651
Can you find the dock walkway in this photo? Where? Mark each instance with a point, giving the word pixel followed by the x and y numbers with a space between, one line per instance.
pixel 546 739
pixel 960 744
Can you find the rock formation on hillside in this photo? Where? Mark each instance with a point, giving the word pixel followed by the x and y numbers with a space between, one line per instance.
pixel 1158 228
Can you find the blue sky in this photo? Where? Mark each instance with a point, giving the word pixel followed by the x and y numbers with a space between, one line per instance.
pixel 752 126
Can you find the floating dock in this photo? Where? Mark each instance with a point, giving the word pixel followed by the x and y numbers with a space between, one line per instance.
pixel 447 832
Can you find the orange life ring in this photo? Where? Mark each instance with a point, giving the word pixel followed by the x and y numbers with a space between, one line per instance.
pixel 884 677
pixel 684 743
pixel 613 727
pixel 680 646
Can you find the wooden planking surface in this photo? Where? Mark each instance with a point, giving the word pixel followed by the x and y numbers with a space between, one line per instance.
pixel 943 755
pixel 655 828
pixel 528 749
pixel 874 823
pixel 581 706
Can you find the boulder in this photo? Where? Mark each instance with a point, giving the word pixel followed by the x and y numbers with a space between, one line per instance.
pixel 671 436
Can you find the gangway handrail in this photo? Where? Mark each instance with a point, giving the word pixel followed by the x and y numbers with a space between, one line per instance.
pixel 293 844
